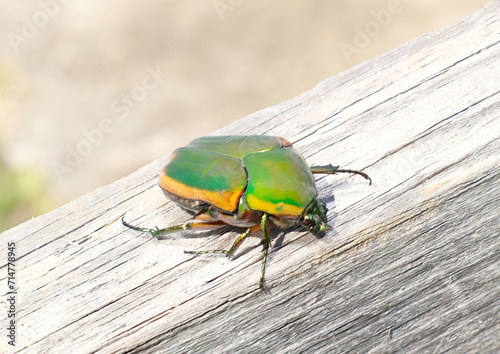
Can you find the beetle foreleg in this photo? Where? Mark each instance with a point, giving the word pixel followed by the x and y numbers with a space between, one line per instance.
pixel 330 170
pixel 207 224
pixel 266 240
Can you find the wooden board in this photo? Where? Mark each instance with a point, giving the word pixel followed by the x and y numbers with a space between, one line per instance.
pixel 411 265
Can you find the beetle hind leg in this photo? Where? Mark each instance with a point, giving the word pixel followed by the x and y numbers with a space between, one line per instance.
pixel 231 250
pixel 330 170
pixel 194 224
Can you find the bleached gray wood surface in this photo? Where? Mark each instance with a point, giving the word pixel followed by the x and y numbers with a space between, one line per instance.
pixel 412 263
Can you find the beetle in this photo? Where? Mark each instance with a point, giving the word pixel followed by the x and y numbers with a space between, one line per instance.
pixel 247 181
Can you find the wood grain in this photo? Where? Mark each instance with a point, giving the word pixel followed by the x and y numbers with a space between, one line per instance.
pixel 412 263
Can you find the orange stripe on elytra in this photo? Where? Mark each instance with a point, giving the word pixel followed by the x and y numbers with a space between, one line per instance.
pixel 224 200
pixel 280 209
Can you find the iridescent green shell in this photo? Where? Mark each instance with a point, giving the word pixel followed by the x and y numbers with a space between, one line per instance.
pixel 279 182
pixel 266 171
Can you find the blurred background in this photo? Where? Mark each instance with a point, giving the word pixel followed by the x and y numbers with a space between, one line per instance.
pixel 90 91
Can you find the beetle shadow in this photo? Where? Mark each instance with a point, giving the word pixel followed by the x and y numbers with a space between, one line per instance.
pixel 281 233
pixel 277 239
pixel 329 199
pixel 277 234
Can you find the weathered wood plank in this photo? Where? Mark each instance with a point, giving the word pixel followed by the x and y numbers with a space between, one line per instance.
pixel 412 262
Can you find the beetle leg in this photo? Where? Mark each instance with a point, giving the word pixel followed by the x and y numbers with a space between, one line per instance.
pixel 330 170
pixel 266 240
pixel 202 224
pixel 240 240
pixel 230 251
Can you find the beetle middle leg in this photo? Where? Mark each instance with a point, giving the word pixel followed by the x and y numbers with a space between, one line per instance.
pixel 266 240
pixel 330 170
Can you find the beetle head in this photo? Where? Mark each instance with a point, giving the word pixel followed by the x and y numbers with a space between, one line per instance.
pixel 314 217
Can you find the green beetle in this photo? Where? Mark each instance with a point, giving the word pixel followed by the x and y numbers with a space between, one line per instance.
pixel 247 181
